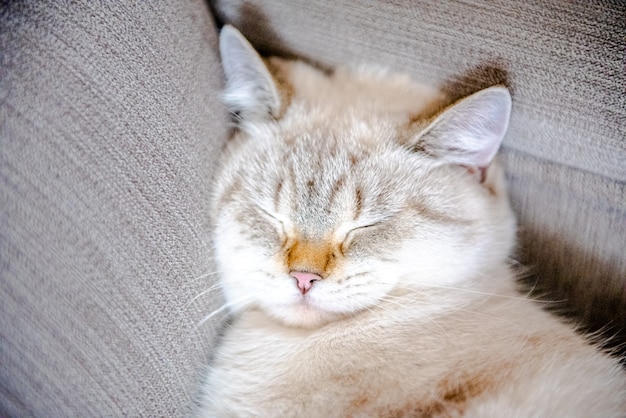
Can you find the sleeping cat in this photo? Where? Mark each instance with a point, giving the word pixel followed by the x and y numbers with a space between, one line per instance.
pixel 363 241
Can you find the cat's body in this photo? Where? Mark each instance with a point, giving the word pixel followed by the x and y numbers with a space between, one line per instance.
pixel 500 358
pixel 363 250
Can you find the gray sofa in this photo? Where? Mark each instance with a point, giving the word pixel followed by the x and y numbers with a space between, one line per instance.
pixel 110 126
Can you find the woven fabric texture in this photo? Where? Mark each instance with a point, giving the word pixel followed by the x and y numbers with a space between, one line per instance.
pixel 565 152
pixel 110 123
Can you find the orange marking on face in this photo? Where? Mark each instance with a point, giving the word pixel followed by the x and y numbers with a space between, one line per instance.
pixel 311 256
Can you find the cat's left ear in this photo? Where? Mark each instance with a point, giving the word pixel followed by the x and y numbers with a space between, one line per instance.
pixel 469 132
pixel 250 89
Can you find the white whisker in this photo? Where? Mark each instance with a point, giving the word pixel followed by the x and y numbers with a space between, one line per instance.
pixel 204 276
pixel 477 292
pixel 390 299
pixel 228 305
pixel 217 286
pixel 204 292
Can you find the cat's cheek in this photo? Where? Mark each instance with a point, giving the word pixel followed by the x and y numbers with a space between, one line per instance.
pixel 239 266
pixel 437 261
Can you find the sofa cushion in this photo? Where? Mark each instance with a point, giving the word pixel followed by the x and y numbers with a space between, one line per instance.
pixel 110 124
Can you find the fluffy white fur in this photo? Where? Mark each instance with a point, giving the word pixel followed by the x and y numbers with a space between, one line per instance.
pixel 404 218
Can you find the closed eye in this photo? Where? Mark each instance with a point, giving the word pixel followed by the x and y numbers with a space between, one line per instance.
pixel 367 226
pixel 278 223
pixel 354 232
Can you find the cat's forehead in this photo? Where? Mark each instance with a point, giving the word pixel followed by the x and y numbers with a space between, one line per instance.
pixel 319 181
pixel 324 156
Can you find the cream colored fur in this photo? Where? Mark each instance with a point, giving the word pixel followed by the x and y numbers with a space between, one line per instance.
pixel 355 177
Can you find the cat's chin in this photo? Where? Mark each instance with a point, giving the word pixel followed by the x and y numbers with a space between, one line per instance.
pixel 304 315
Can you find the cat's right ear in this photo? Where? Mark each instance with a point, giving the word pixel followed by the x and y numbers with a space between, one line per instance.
pixel 250 90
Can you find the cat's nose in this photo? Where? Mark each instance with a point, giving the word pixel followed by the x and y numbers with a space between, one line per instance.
pixel 305 280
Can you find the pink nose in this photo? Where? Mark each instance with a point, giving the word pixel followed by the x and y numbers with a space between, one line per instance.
pixel 305 280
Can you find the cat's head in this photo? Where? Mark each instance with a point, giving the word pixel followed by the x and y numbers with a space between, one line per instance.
pixel 333 196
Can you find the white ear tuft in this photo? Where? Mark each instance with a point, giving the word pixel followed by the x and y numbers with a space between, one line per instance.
pixel 469 132
pixel 250 90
